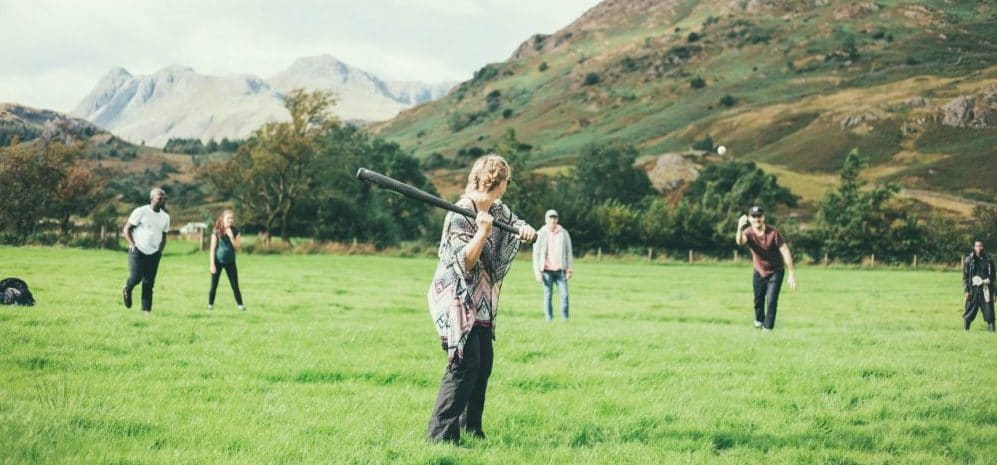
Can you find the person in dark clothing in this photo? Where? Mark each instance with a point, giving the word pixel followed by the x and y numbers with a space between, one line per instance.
pixel 145 232
pixel 772 260
pixel 225 240
pixel 978 282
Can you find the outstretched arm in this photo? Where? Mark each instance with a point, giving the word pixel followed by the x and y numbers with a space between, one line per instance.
pixel 787 258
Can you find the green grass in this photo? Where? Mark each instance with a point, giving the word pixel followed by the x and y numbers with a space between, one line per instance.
pixel 336 361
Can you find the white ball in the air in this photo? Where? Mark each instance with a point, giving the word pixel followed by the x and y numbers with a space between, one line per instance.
pixel 721 150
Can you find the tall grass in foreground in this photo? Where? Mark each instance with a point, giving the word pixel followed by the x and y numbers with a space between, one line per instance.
pixel 336 362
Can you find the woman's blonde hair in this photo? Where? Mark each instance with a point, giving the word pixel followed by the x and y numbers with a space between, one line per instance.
pixel 487 173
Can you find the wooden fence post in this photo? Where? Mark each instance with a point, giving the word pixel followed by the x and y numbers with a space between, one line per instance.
pixel 825 259
pixel 650 254
pixel 915 261
pixel 690 255
pixel 872 260
pixel 735 256
pixel 598 255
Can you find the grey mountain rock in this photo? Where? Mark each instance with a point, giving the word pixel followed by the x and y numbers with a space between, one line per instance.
pixel 178 102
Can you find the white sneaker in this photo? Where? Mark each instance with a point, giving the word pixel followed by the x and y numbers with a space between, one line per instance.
pixel 211 307
pixel 242 307
pixel 758 324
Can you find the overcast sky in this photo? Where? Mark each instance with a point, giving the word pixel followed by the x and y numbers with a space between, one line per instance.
pixel 53 52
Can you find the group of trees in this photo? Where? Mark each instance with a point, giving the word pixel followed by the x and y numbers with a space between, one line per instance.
pixel 608 204
pixel 44 184
pixel 296 178
pixel 193 146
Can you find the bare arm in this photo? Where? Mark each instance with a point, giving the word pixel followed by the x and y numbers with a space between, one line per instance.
pixel 235 238
pixel 477 243
pixel 162 244
pixel 211 253
pixel 127 232
pixel 787 258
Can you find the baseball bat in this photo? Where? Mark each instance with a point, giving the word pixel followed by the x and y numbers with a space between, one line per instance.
pixel 381 180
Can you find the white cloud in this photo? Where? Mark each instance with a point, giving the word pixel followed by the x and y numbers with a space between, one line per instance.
pixel 54 51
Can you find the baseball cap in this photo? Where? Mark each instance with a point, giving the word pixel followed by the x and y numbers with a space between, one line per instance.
pixel 550 213
pixel 756 211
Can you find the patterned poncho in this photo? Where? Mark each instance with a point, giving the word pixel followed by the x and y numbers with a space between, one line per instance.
pixel 459 297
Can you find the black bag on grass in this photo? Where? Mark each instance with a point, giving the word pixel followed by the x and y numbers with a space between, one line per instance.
pixel 14 291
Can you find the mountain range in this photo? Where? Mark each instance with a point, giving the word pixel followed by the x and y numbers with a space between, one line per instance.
pixel 178 102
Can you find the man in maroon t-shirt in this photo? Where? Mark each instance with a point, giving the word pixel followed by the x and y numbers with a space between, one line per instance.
pixel 772 260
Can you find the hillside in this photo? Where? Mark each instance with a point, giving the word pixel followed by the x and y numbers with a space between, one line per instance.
pixel 791 84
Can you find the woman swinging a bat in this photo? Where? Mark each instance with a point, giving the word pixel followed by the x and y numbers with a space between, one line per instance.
pixel 463 297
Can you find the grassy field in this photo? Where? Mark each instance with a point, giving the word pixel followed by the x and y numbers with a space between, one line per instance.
pixel 336 362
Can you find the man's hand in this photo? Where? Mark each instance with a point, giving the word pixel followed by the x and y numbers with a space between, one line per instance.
pixel 792 281
pixel 742 222
pixel 539 278
pixel 214 269
pixel 567 274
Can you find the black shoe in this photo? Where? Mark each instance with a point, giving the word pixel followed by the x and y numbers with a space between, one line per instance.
pixel 126 296
pixel 965 324
pixel 990 327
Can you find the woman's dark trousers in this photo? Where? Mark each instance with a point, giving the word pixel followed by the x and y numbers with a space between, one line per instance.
pixel 233 278
pixel 461 399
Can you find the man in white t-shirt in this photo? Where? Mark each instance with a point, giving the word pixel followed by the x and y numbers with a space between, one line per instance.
pixel 145 232
pixel 552 263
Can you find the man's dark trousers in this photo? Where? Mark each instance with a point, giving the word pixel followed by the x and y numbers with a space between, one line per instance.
pixel 976 302
pixel 142 267
pixel 767 296
pixel 461 400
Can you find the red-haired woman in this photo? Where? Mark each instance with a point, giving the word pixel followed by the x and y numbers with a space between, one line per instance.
pixel 225 241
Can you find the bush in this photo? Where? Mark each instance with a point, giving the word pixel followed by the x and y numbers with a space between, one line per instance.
pixel 543 67
pixel 507 113
pixel 693 37
pixel 493 101
pixel 459 120
pixel 697 83
pixel 728 101
pixel 591 79
pixel 704 144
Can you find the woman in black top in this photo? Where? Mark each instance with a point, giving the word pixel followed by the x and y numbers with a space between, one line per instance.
pixel 225 241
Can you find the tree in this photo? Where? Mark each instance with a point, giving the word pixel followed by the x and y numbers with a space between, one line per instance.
pixel 607 172
pixel 272 170
pixel 853 221
pixel 39 181
pixel 77 193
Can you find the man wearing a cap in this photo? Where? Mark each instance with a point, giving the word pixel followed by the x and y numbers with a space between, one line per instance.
pixel 552 262
pixel 771 258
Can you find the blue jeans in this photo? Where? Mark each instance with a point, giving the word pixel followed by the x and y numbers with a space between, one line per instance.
pixel 561 279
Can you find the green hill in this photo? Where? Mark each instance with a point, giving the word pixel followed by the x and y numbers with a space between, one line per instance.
pixel 793 85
